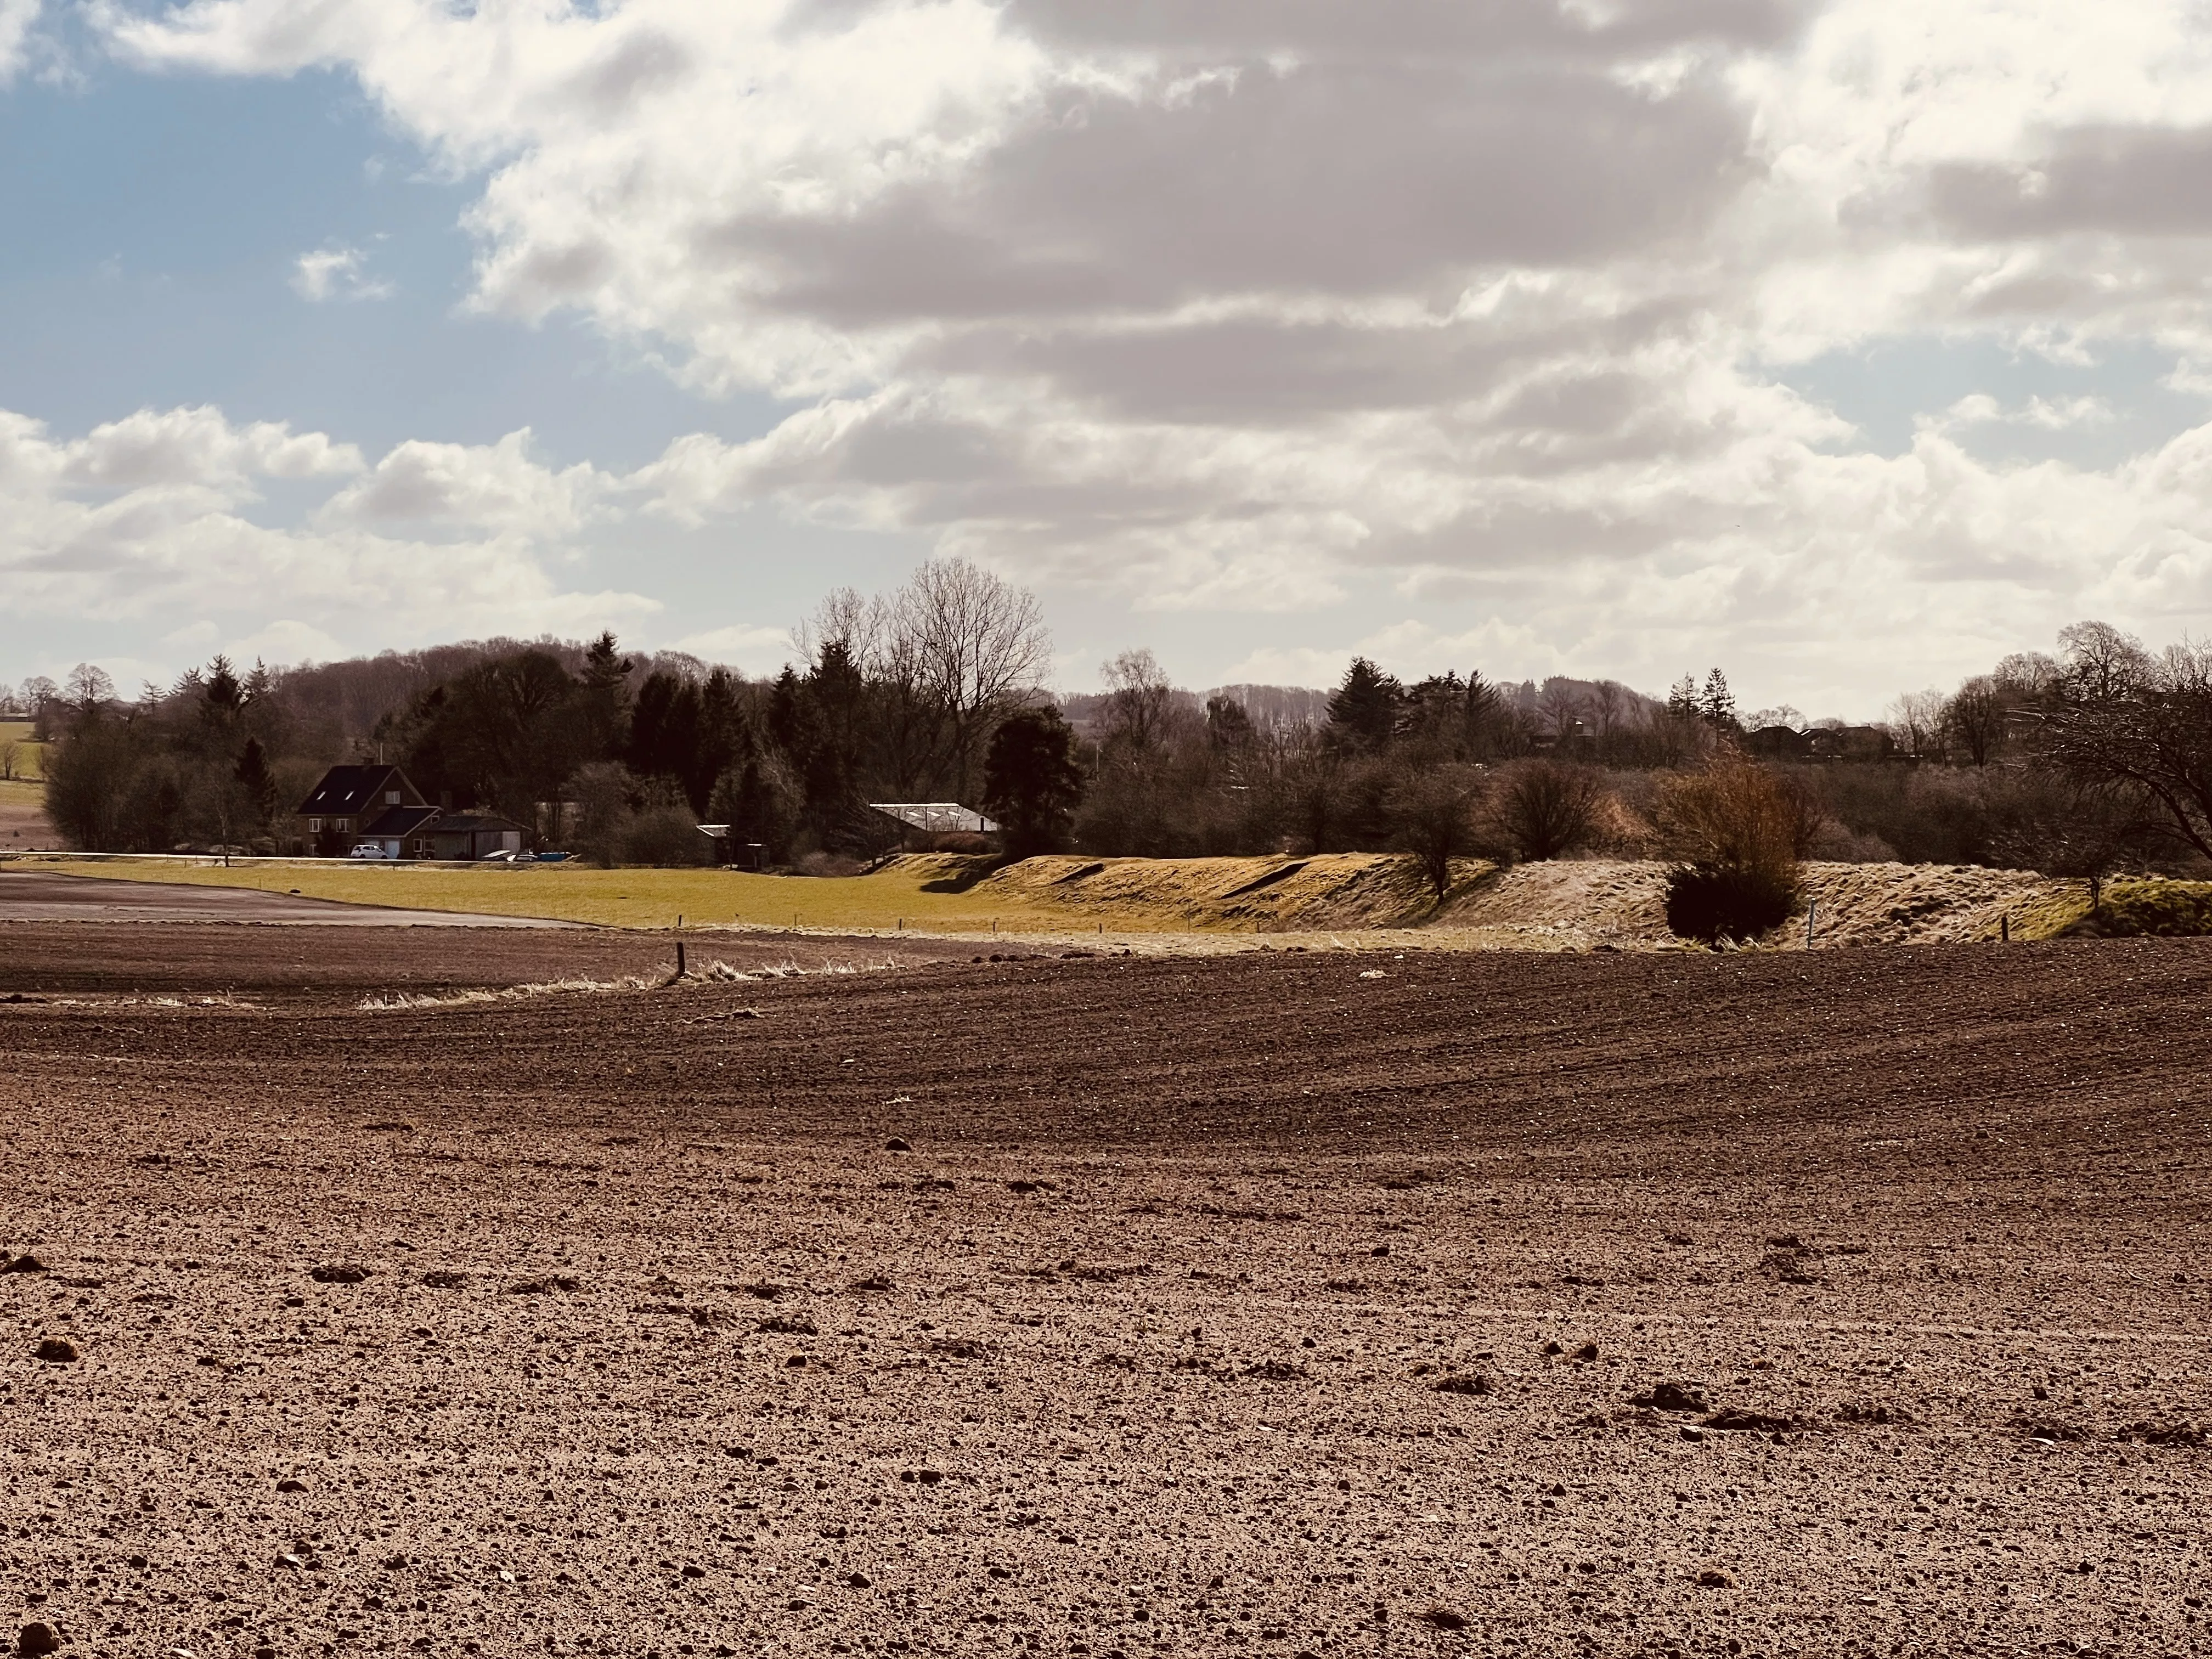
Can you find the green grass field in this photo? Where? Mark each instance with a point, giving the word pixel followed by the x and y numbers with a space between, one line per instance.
pixel 25 762
pixel 639 899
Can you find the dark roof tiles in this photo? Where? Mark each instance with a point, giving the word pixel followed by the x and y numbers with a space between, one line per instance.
pixel 352 789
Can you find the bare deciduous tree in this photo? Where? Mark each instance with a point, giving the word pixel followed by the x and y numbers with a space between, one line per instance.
pixel 1545 809
pixel 1561 705
pixel 1139 700
pixel 972 644
pixel 2101 662
pixel 90 686
pixel 1974 718
pixel 849 618
pixel 1916 722
pixel 1432 815
pixel 2122 717
pixel 1608 702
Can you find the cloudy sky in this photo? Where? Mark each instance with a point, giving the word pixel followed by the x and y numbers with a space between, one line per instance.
pixel 1847 345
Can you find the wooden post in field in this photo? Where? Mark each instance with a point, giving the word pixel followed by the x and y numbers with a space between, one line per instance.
pixel 2004 930
pixel 1812 912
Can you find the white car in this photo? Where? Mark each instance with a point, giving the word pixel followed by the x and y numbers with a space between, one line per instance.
pixel 368 849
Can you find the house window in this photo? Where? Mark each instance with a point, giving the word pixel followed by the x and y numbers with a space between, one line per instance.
pixel 392 798
pixel 315 826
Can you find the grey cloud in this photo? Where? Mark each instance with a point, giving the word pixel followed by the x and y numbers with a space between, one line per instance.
pixel 1381 28
pixel 1512 533
pixel 1342 178
pixel 1579 405
pixel 944 467
pixel 1243 370
pixel 2144 181
pixel 1258 372
pixel 406 489
pixel 933 467
pixel 642 62
pixel 547 275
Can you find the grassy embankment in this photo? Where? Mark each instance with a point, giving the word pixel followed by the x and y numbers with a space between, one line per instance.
pixel 1574 904
pixel 932 894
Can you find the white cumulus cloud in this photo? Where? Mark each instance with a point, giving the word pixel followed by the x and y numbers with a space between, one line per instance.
pixel 336 273
pixel 1230 306
pixel 150 517
pixel 16 17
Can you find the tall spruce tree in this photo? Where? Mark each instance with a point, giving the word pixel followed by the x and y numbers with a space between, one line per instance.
pixel 1031 782
pixel 1362 711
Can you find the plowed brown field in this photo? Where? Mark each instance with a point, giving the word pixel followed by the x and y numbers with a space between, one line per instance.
pixel 1282 1304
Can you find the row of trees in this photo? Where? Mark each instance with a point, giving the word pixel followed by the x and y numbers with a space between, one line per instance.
pixel 194 769
pixel 2090 759
pixel 2095 758
pixel 2099 757
pixel 612 752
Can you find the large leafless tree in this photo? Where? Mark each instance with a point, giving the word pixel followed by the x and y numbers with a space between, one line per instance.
pixel 951 654
pixel 2122 717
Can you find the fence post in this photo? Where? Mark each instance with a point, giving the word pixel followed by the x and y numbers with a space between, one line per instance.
pixel 1812 911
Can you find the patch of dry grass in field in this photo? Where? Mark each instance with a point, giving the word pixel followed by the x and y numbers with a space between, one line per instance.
pixel 881 902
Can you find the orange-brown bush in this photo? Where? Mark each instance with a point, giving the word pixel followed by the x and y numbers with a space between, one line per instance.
pixel 1737 833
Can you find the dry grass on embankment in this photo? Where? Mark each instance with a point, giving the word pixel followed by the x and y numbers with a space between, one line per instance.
pixel 1213 903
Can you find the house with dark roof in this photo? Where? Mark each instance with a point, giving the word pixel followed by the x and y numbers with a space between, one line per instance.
pixel 378 805
pixel 1851 743
pixel 352 804
pixel 1781 743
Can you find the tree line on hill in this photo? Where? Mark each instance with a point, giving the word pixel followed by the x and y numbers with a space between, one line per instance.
pixel 2097 758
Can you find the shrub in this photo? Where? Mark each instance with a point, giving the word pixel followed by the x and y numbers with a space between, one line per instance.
pixel 663 835
pixel 1737 832
pixel 1432 816
pixel 1717 904
pixel 1546 809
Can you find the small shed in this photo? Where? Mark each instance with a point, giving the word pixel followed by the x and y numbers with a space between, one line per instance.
pixel 733 854
pixel 475 835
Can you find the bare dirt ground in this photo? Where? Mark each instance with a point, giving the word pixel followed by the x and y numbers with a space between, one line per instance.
pixel 311 964
pixel 45 896
pixel 1503 1304
pixel 23 823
